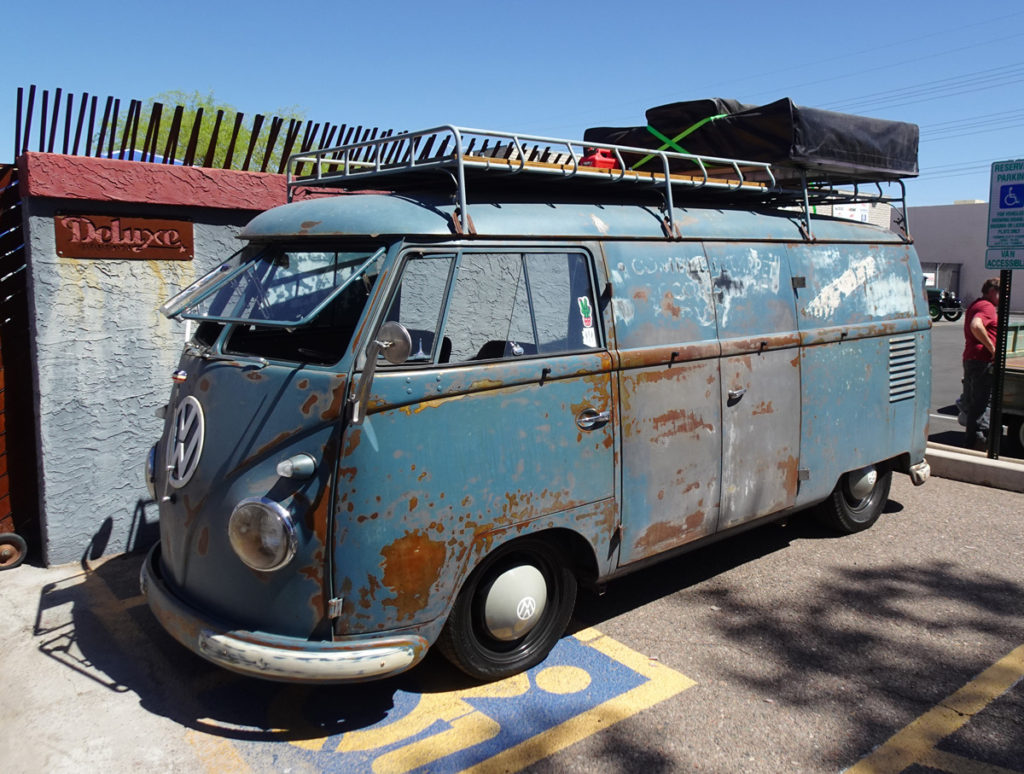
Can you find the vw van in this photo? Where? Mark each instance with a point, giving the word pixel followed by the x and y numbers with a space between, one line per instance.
pixel 426 414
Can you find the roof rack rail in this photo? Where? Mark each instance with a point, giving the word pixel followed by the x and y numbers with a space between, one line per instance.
pixel 477 154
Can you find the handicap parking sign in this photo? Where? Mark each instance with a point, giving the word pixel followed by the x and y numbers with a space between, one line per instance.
pixel 1006 207
pixel 1011 196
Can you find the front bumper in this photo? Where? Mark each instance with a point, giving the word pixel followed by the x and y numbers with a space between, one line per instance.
pixel 272 657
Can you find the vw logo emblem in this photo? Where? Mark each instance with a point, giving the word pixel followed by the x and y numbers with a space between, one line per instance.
pixel 186 442
pixel 526 608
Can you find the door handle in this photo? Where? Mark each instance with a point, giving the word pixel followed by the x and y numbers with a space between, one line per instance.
pixel 591 418
pixel 735 395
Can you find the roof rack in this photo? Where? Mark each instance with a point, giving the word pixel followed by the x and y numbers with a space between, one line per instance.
pixel 479 155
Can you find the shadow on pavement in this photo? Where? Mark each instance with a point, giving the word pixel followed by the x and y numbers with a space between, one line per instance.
pixel 97 624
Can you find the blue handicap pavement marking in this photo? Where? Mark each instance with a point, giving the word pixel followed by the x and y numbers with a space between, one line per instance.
pixel 1011 196
pixel 588 682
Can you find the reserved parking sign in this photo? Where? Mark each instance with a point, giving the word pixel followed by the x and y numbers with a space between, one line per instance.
pixel 1006 210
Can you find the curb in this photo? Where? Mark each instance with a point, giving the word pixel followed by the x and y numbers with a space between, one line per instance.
pixel 974 467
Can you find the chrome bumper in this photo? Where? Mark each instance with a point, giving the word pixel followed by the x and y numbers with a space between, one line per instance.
pixel 272 657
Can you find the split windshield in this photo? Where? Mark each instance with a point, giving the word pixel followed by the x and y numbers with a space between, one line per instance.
pixel 281 302
pixel 274 285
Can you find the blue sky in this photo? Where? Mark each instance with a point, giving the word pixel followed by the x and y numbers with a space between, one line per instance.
pixel 551 68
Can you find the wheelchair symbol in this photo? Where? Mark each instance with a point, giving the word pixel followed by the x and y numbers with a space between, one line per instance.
pixel 1011 197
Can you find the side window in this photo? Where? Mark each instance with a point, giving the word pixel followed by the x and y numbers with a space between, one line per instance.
pixel 489 309
pixel 418 303
pixel 563 302
pixel 509 305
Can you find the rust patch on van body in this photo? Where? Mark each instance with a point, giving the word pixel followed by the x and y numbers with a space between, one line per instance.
pixel 677 421
pixel 307 407
pixel 412 565
pixel 669 307
pixel 664 535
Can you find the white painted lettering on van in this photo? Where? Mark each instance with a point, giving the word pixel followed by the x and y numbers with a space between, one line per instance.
pixel 691 297
pixel 623 309
pixel 769 267
pixel 890 295
pixel 599 224
pixel 748 271
pixel 831 295
pixel 647 265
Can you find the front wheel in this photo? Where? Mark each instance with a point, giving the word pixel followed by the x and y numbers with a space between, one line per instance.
pixel 857 501
pixel 511 611
pixel 953 316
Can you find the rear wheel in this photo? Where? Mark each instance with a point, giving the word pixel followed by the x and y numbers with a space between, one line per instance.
pixel 934 312
pixel 857 501
pixel 511 611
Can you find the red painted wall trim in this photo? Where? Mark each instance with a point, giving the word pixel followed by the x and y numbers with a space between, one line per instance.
pixel 56 176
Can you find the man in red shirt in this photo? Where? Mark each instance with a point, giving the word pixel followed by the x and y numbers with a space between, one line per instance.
pixel 980 325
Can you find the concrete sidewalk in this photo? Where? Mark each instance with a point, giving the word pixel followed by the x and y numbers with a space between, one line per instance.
pixel 975 467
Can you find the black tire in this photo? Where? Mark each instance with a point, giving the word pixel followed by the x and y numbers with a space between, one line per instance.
pixel 1015 437
pixel 466 640
pixel 953 316
pixel 12 550
pixel 934 312
pixel 847 512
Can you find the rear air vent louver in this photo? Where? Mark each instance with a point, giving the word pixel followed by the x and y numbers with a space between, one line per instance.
pixel 902 368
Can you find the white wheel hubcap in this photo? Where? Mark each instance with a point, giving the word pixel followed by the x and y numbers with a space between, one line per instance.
pixel 862 482
pixel 515 602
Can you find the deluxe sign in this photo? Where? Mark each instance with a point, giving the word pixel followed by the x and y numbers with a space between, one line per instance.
pixel 1006 206
pixel 123 238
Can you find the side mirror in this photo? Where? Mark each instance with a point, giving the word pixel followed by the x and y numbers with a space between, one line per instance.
pixel 395 343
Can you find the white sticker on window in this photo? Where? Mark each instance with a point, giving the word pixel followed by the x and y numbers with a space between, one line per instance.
pixel 586 314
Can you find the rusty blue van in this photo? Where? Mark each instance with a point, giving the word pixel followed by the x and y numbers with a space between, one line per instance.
pixel 424 414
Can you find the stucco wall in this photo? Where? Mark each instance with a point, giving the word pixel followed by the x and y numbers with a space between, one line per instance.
pixel 102 353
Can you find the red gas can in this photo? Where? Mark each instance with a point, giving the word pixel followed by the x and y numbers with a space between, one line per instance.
pixel 601 158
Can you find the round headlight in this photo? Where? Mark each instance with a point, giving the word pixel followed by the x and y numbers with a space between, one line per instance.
pixel 262 533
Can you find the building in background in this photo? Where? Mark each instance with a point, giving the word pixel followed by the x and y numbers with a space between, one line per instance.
pixel 951 240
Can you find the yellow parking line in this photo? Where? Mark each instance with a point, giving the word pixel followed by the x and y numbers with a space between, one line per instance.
pixel 917 741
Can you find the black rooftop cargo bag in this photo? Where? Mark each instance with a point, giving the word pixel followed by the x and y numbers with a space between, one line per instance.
pixel 795 140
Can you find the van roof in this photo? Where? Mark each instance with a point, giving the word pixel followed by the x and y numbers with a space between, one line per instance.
pixel 428 215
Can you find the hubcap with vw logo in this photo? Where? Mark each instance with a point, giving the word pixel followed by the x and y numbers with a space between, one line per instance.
pixel 515 602
pixel 185 445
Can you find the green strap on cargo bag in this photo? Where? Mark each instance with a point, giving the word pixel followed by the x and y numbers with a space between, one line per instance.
pixel 673 143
